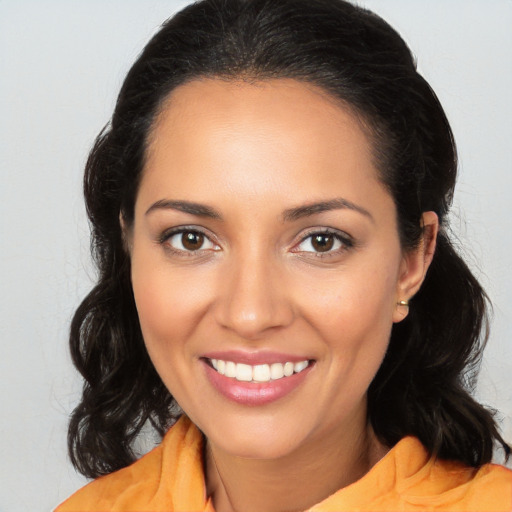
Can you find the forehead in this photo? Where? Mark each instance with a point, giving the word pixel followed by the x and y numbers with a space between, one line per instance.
pixel 275 107
pixel 275 136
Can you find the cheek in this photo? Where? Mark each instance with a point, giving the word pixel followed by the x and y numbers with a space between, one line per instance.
pixel 155 304
pixel 170 308
pixel 352 299
pixel 353 312
pixel 169 303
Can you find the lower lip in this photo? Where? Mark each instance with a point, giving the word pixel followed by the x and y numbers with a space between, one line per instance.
pixel 254 393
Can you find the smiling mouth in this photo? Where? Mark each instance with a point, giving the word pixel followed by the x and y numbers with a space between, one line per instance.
pixel 258 373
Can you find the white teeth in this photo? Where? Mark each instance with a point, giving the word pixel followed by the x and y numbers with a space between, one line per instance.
pixel 301 365
pixel 258 373
pixel 261 373
pixel 243 372
pixel 276 371
pixel 230 370
pixel 288 369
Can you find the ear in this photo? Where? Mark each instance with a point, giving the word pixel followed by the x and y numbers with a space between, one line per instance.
pixel 414 265
pixel 126 234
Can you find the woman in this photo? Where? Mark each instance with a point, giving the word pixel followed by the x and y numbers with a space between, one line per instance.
pixel 269 210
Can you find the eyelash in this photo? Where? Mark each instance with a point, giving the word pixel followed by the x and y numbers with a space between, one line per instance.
pixel 346 242
pixel 167 235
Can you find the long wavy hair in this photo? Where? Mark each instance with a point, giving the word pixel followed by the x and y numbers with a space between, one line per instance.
pixel 424 385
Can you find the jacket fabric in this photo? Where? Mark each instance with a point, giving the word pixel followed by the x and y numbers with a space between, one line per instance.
pixel 170 478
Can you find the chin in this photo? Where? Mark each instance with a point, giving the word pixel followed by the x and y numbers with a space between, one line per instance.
pixel 260 448
pixel 256 439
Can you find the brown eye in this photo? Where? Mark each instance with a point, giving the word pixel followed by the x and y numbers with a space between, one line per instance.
pixel 189 241
pixel 192 240
pixel 322 242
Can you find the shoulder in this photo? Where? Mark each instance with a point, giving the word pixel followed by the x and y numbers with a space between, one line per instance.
pixel 449 485
pixel 488 488
pixel 408 478
pixel 139 487
pixel 105 492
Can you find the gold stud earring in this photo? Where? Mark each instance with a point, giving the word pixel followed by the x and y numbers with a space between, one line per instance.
pixel 403 303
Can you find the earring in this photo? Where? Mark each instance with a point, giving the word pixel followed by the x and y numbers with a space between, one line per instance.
pixel 403 303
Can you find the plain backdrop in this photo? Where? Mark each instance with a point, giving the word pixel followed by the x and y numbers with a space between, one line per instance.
pixel 61 66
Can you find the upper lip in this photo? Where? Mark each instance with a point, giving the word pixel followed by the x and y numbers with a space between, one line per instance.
pixel 255 358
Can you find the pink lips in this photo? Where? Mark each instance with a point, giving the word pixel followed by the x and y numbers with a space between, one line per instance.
pixel 254 393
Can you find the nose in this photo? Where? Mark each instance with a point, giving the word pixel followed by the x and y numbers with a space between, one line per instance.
pixel 253 297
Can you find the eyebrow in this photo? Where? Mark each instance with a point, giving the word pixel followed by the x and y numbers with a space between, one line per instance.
pixel 289 215
pixel 338 203
pixel 198 209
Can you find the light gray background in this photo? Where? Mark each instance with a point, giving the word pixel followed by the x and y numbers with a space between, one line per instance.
pixel 61 65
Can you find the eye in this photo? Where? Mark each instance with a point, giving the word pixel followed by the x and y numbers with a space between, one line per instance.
pixel 188 240
pixel 323 242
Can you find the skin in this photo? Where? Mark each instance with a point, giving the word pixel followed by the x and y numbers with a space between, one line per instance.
pixel 251 152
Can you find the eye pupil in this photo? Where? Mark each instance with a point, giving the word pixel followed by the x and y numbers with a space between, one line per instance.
pixel 323 242
pixel 192 240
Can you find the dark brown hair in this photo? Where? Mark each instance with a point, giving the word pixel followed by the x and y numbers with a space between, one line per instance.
pixel 423 386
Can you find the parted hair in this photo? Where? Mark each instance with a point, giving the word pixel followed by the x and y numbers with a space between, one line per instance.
pixel 423 387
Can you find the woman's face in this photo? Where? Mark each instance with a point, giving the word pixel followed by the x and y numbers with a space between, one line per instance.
pixel 264 244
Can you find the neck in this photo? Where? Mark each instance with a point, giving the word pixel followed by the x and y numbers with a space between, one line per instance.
pixel 294 482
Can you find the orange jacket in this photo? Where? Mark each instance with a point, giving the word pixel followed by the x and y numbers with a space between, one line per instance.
pixel 170 478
